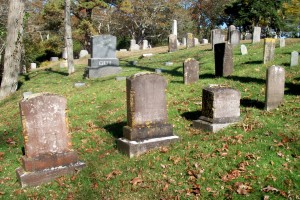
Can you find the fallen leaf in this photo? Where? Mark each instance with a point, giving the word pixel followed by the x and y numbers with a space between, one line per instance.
pixel 266 197
pixel 1 155
pixel 112 174
pixel 232 175
pixel 270 188
pixel 196 189
pixel 242 188
pixel 166 187
pixel 280 154
pixel 136 180
pixel 163 150
pixel 2 193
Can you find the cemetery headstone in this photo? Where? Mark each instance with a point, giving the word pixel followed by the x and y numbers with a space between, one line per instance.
pixel 79 84
pixel 216 37
pixel 54 59
pixel 184 41
pixel 121 78
pixel 172 43
pixel 147 55
pixel 145 44
pixel 223 59
pixel 147 119
pixel 220 108
pixel 189 40
pixel 269 50
pixel 174 27
pixel 32 66
pixel 65 53
pixel 190 71
pixel 244 50
pixel 235 37
pixel 196 42
pixel 281 42
pixel 256 34
pixel 274 87
pixel 48 147
pixel 230 28
pixel 158 71
pixel 103 61
pixel 83 53
pixel 294 59
pixel 169 63
pixel 204 41
pixel 249 36
pixel 134 46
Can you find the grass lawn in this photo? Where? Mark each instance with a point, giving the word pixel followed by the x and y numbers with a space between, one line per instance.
pixel 253 159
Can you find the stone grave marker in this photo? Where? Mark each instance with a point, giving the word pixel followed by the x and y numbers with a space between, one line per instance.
pixel 204 41
pixel 103 61
pixel 189 40
pixel 244 50
pixel 169 63
pixel 48 146
pixel 145 44
pixel 274 87
pixel 196 42
pixel 230 28
pixel 269 50
pixel 294 59
pixel 281 42
pixel 83 53
pixel 173 43
pixel 235 37
pixel 216 37
pixel 147 118
pixel 256 34
pixel 134 46
pixel 54 59
pixel 223 59
pixel 32 66
pixel 184 41
pixel 190 71
pixel 220 108
pixel 249 36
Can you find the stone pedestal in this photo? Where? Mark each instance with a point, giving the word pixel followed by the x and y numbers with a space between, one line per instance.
pixel 220 108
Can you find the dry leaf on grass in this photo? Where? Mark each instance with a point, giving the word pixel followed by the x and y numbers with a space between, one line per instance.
pixel 270 188
pixel 232 175
pixel 242 188
pixel 166 187
pixel 136 180
pixel 112 174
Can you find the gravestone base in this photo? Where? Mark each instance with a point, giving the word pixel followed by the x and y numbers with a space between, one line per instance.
pixel 147 132
pixel 208 126
pixel 101 67
pixel 36 178
pixel 136 148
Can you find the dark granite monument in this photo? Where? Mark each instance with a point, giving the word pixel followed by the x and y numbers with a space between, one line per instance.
pixel 48 146
pixel 223 59
pixel 147 118
pixel 103 61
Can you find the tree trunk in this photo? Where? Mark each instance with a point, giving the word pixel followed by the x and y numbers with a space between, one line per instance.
pixel 68 37
pixel 12 58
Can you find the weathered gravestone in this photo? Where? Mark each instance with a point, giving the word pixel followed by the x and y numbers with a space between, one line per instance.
pixel 274 87
pixel 223 59
pixel 172 43
pixel 248 36
pixel 281 42
pixel 103 61
pixel 196 42
pixel 256 34
pixel 235 37
pixel 294 59
pixel 54 59
pixel 145 44
pixel 230 28
pixel 48 147
pixel 216 37
pixel 189 40
pixel 184 41
pixel 269 50
pixel 134 46
pixel 32 66
pixel 147 117
pixel 83 53
pixel 204 41
pixel 220 108
pixel 244 50
pixel 190 71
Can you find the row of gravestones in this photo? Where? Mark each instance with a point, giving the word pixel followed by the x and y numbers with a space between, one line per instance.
pixel 48 148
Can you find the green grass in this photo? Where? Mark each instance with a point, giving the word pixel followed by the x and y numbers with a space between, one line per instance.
pixel 263 146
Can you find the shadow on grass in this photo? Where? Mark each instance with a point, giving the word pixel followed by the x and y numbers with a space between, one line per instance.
pixel 293 89
pixel 57 72
pixel 190 116
pixel 116 129
pixel 246 102
pixel 254 62
pixel 246 79
pixel 286 64
pixel 204 76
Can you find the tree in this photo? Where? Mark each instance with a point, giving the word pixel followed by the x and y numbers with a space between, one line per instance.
pixel 68 37
pixel 291 15
pixel 12 58
pixel 247 14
